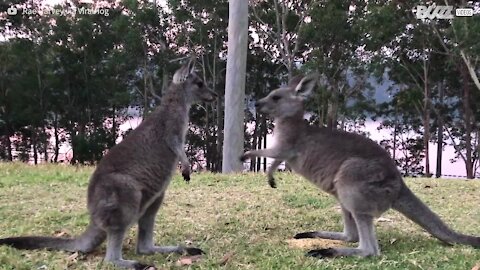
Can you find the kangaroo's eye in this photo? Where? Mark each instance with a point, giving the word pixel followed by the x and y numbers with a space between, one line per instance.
pixel 200 84
pixel 276 98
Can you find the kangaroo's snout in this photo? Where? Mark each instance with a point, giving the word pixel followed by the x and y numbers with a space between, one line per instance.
pixel 208 95
pixel 259 103
pixel 215 95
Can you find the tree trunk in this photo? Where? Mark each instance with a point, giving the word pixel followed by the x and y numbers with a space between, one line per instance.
pixel 35 146
pixel 57 142
pixel 395 133
pixel 114 127
pixel 259 145
pixel 8 144
pixel 235 86
pixel 426 119
pixel 208 153
pixel 253 162
pixel 218 162
pixel 76 134
pixel 265 131
pixel 332 110
pixel 467 116
pixel 438 169
pixel 46 143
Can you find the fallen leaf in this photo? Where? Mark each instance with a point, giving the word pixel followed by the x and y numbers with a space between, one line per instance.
pixel 393 240
pixel 382 219
pixel 226 258
pixel 61 233
pixel 188 260
pixel 73 257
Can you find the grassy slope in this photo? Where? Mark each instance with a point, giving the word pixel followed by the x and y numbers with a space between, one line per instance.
pixel 232 213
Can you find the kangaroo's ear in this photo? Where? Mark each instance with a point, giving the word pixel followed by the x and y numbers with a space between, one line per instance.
pixel 182 73
pixel 295 80
pixel 191 65
pixel 305 86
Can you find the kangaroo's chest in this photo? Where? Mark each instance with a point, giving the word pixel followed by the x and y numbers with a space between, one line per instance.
pixel 315 171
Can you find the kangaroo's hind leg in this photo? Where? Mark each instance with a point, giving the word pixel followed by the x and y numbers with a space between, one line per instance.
pixel 349 234
pixel 114 251
pixel 368 244
pixel 114 204
pixel 365 190
pixel 145 244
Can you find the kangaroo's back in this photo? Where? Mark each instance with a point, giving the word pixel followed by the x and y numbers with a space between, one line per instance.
pixel 323 153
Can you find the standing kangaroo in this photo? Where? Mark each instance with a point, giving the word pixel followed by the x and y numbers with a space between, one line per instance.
pixel 354 169
pixel 129 183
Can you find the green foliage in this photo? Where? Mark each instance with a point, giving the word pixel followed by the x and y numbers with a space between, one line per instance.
pixel 76 78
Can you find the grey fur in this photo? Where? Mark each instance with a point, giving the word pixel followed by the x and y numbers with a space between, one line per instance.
pixel 356 170
pixel 129 183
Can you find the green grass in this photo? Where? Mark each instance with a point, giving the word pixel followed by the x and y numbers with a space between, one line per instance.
pixel 237 214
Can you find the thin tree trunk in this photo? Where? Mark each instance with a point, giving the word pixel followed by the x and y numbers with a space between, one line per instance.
pixel 426 119
pixel 253 162
pixel 259 145
pixel 35 146
pixel 114 127
pixel 395 133
pixel 438 170
pixel 333 109
pixel 467 116
pixel 208 155
pixel 220 120
pixel 145 87
pixel 57 142
pixel 46 143
pixel 265 131
pixel 235 86
pixel 8 144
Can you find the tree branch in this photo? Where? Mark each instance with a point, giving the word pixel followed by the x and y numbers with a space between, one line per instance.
pixel 471 69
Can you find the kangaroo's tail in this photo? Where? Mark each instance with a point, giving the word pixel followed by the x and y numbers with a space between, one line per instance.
pixel 86 242
pixel 412 207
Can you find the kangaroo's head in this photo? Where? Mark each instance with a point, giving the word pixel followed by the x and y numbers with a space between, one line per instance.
pixel 195 88
pixel 288 101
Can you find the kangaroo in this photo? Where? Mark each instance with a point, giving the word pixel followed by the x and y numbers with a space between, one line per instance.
pixel 357 171
pixel 129 183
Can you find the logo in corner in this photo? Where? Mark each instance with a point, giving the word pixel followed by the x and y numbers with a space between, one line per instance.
pixel 12 11
pixel 434 12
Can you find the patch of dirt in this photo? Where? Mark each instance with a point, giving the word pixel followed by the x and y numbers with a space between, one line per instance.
pixel 314 243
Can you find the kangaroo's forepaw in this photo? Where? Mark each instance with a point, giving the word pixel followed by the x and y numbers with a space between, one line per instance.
pixel 321 253
pixel 186 176
pixel 245 156
pixel 272 183
pixel 193 251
